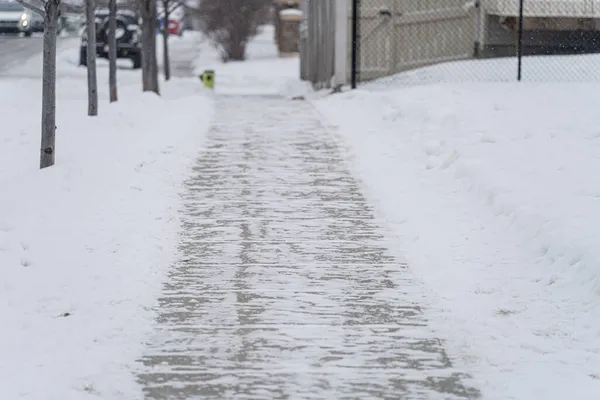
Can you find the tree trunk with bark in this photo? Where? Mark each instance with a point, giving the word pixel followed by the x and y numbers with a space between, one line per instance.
pixel 47 153
pixel 148 12
pixel 166 33
pixel 235 50
pixel 112 50
pixel 90 7
pixel 154 23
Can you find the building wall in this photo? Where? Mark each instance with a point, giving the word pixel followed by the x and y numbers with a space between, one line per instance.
pixel 317 44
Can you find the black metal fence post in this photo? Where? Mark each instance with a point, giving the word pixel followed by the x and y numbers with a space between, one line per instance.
pixel 355 17
pixel 520 42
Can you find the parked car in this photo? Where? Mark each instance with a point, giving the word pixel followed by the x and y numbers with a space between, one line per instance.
pixel 175 28
pixel 175 20
pixel 14 18
pixel 72 23
pixel 36 23
pixel 128 35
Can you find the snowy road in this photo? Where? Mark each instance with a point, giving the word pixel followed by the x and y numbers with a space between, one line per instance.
pixel 286 288
pixel 15 49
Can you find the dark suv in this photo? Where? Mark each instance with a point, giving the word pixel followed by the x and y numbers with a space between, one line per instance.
pixel 128 37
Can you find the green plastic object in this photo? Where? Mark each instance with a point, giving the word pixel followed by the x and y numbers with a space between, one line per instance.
pixel 208 78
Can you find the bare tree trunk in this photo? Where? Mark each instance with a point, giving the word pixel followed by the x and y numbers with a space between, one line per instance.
pixel 154 23
pixel 112 50
pixel 166 33
pixel 149 60
pixel 47 153
pixel 236 51
pixel 146 56
pixel 90 7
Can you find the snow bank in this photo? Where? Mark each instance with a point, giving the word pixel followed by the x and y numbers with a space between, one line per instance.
pixel 85 245
pixel 541 69
pixel 493 194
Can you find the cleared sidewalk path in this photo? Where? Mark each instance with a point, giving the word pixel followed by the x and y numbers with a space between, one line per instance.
pixel 286 290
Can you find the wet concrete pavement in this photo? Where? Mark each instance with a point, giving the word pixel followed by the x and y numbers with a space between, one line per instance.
pixel 285 289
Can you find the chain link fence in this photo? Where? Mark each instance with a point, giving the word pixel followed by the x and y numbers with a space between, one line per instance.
pixel 421 41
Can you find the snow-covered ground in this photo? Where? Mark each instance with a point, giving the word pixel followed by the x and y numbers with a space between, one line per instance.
pixel 493 194
pixel 551 69
pixel 86 244
pixel 488 190
pixel 264 73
